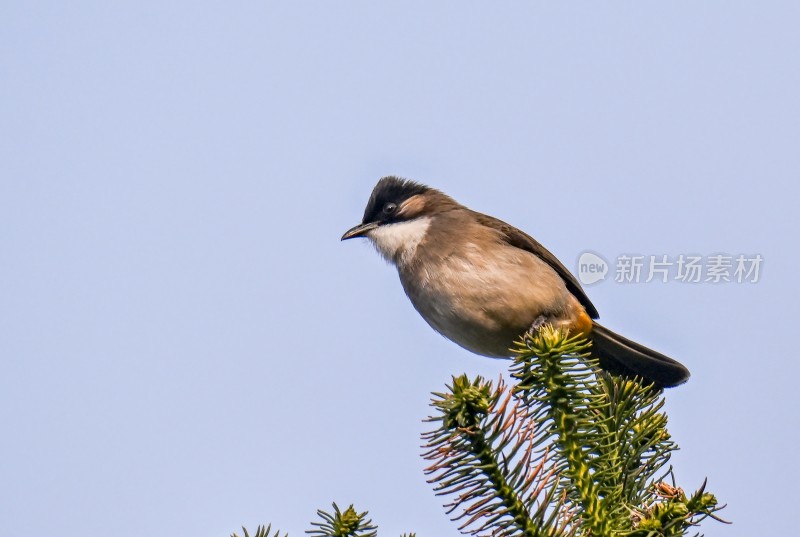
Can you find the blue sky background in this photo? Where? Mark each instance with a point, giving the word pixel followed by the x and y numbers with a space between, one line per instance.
pixel 186 346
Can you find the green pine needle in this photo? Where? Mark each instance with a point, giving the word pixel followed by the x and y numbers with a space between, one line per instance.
pixel 261 531
pixel 347 523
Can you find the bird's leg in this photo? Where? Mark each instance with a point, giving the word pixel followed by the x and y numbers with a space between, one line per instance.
pixel 537 324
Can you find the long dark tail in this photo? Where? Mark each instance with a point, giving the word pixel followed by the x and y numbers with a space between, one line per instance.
pixel 622 356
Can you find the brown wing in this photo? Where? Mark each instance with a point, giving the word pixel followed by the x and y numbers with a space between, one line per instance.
pixel 521 240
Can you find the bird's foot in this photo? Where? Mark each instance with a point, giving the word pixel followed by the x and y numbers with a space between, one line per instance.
pixel 538 323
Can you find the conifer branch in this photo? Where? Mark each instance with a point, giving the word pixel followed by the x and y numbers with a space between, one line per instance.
pixel 554 374
pixel 261 531
pixel 569 450
pixel 347 523
pixel 484 456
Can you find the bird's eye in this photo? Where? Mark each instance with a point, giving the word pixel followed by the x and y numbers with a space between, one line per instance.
pixel 390 208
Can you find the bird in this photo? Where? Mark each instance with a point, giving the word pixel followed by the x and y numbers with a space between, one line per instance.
pixel 482 283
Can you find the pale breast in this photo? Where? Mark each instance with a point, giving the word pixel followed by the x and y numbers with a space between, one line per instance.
pixel 484 298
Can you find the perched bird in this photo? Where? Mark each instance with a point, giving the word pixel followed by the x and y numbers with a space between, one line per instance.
pixel 482 283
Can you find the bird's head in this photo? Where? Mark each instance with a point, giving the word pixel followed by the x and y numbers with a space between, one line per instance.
pixel 398 215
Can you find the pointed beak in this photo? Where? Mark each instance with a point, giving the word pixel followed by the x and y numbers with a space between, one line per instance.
pixel 359 231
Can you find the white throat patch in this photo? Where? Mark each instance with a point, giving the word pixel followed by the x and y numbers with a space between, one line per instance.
pixel 397 242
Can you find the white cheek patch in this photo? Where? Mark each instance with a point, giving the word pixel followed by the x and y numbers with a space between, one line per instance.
pixel 398 242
